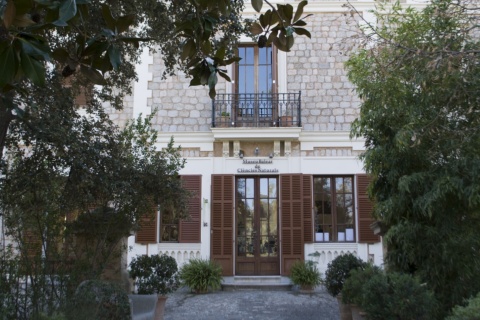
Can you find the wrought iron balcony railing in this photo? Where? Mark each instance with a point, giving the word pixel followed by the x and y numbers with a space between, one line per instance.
pixel 257 110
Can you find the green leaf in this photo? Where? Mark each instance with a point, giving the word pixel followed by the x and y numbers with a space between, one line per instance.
pixel 257 5
pixel 206 47
pixel 124 22
pixel 7 65
pixel 115 56
pixel 33 69
pixel 68 10
pixel 107 16
pixel 35 49
pixel 212 80
pixel 256 28
pixel 220 54
pixel 212 93
pixel 93 75
pixel 61 55
pixel 9 14
pixel 189 49
pixel 23 21
pixel 303 32
pixel 286 11
pixel 299 11
pixel 224 76
pixel 299 23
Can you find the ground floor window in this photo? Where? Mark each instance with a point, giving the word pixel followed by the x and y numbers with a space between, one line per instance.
pixel 334 209
pixel 168 225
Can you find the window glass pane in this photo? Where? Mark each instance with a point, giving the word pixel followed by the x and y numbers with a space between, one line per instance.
pixel 249 188
pixel 264 188
pixel 250 79
pixel 241 187
pixel 249 56
pixel 242 54
pixel 263 85
pixel 339 184
pixel 349 215
pixel 347 182
pixel 272 188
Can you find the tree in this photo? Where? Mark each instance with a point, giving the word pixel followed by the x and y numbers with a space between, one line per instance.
pixel 73 179
pixel 97 42
pixel 418 77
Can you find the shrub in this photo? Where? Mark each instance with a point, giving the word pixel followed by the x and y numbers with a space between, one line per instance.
pixel 352 291
pixel 338 271
pixel 469 312
pixel 96 299
pixel 154 274
pixel 200 275
pixel 305 273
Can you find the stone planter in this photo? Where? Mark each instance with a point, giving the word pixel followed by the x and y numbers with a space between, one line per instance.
pixel 344 309
pixel 306 288
pixel 147 306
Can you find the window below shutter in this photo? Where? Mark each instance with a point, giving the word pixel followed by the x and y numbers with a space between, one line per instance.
pixel 307 209
pixel 365 208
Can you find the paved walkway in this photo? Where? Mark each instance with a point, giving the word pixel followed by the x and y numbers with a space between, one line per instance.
pixel 251 304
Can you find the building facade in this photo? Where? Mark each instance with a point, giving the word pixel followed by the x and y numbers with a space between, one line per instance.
pixel 275 174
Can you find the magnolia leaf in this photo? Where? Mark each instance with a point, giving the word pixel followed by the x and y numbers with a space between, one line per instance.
pixel 124 22
pixel 33 69
pixel 299 11
pixel 256 28
pixel 189 49
pixel 224 76
pixel 257 5
pixel 303 32
pixel 286 11
pixel 23 21
pixel 300 23
pixel 195 81
pixel 7 66
pixel 114 56
pixel 212 93
pixel 23 6
pixel 35 49
pixel 220 54
pixel 289 31
pixel 107 16
pixel 212 80
pixel 204 76
pixel 9 14
pixel 93 75
pixel 68 10
pixel 206 47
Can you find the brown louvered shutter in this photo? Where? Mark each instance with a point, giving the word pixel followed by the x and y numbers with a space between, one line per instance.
pixel 291 212
pixel 222 222
pixel 307 209
pixel 190 229
pixel 365 208
pixel 147 232
pixel 32 241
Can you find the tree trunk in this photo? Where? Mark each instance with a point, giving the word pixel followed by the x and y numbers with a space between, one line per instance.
pixel 6 118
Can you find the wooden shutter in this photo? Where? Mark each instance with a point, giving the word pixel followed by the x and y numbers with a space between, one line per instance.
pixel 32 241
pixel 147 232
pixel 365 208
pixel 291 213
pixel 190 229
pixel 222 222
pixel 307 209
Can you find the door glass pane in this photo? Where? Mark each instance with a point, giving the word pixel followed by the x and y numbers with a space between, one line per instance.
pixel 250 188
pixel 264 188
pixel 272 188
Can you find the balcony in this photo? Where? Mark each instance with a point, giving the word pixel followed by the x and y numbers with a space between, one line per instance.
pixel 231 110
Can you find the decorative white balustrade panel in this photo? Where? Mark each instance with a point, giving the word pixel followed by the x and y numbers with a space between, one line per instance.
pixel 323 253
pixel 182 252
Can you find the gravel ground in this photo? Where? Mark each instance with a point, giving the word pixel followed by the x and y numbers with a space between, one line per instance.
pixel 251 304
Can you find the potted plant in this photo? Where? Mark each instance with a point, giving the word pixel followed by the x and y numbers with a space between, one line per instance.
pixel 223 120
pixel 305 274
pixel 286 119
pixel 201 275
pixel 337 272
pixel 156 275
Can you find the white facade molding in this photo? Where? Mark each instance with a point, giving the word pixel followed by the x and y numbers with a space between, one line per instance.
pixel 202 140
pixel 311 140
pixel 257 134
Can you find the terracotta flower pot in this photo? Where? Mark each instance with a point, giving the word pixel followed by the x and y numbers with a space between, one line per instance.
pixel 160 308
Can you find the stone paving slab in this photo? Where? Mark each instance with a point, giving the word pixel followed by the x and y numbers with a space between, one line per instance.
pixel 251 304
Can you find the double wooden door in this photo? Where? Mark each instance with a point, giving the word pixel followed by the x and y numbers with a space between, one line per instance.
pixel 257 245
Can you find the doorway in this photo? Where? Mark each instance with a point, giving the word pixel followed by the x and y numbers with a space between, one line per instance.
pixel 257 249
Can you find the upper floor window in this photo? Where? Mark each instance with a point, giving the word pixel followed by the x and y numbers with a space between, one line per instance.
pixel 334 209
pixel 255 72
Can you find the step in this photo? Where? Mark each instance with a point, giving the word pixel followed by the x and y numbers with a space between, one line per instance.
pixel 261 283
